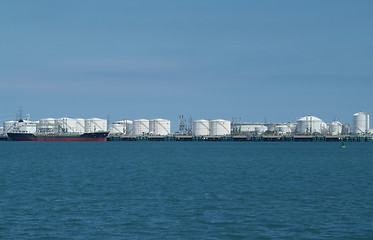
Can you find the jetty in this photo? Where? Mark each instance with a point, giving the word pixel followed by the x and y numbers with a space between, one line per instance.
pixel 244 138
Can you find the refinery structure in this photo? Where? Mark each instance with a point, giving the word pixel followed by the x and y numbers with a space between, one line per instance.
pixel 197 129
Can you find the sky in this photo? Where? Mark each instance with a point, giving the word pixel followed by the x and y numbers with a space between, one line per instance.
pixel 257 61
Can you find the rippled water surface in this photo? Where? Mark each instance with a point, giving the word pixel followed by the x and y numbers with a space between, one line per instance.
pixel 196 190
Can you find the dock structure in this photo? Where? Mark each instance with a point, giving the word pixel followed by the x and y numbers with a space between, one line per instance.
pixel 274 138
pixel 238 138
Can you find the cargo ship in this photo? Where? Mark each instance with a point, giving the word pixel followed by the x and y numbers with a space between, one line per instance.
pixel 95 136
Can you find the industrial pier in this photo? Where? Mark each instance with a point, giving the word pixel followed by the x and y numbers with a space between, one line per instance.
pixel 187 138
pixel 294 138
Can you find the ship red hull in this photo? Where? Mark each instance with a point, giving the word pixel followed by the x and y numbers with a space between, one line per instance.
pixel 86 137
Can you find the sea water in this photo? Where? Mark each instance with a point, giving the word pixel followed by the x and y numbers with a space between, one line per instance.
pixel 185 190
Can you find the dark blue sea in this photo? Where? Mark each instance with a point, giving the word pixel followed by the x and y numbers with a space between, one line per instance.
pixel 185 190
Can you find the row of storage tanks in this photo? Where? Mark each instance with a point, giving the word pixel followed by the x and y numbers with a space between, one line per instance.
pixel 218 127
pixel 162 127
pixel 311 124
pixel 305 125
pixel 221 127
pixel 159 126
pixel 51 125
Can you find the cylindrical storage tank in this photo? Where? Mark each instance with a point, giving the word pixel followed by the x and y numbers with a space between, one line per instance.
pixel 116 128
pixel 140 127
pixel 361 122
pixel 220 127
pixel 69 125
pixel 282 129
pixel 346 129
pixel 9 126
pixel 160 127
pixel 201 127
pixel 80 125
pixel 95 125
pixel 60 125
pixel 261 129
pixel 249 127
pixel 46 125
pixel 292 126
pixel 311 124
pixel 270 127
pixel 129 127
pixel 335 128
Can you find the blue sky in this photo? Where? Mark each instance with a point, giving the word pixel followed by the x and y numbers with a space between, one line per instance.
pixel 278 60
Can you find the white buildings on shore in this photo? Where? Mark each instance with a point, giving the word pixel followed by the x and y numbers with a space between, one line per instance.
pixel 307 125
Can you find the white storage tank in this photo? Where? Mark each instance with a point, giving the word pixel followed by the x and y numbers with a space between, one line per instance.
pixel 335 128
pixel 261 129
pixel 220 127
pixel 80 125
pixel 69 125
pixel 95 125
pixel 129 127
pixel 311 124
pixel 140 127
pixel 123 126
pixel 282 129
pixel 292 126
pixel 201 127
pixel 249 127
pixel 361 122
pixel 270 126
pixel 346 129
pixel 160 126
pixel 117 128
pixel 46 125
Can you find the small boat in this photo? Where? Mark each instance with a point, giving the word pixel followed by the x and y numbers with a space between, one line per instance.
pixel 343 145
